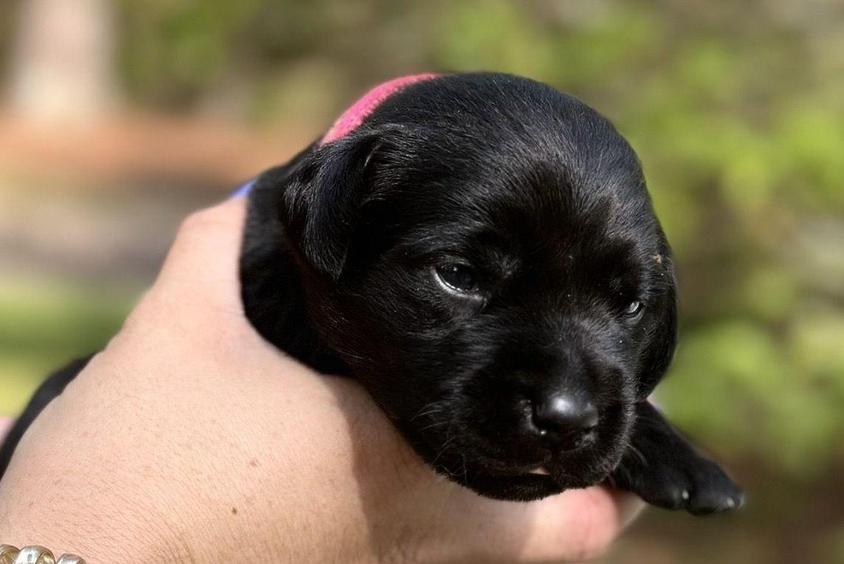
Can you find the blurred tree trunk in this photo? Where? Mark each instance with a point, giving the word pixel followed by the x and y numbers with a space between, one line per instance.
pixel 62 61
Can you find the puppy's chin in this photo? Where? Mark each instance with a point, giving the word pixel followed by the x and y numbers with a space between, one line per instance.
pixel 523 486
pixel 499 480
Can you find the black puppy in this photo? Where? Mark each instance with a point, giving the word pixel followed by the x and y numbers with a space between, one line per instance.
pixel 481 252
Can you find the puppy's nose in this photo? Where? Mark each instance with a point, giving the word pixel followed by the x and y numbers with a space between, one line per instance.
pixel 564 420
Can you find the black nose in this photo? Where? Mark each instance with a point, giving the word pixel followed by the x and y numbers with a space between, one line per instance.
pixel 566 421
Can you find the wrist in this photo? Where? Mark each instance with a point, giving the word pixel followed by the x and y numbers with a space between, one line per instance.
pixel 68 526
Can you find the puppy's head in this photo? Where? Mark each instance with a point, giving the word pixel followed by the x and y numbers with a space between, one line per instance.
pixel 482 252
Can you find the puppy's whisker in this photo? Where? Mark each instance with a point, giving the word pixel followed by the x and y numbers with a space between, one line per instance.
pixel 434 425
pixel 638 453
pixel 444 447
pixel 428 409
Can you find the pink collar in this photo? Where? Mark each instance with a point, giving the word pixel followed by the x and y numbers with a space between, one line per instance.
pixel 357 112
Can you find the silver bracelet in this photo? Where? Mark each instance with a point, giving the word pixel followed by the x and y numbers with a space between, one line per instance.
pixel 34 554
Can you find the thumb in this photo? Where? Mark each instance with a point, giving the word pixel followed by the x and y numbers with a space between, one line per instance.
pixel 201 268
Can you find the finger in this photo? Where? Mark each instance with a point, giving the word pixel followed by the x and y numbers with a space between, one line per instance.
pixel 574 526
pixel 581 524
pixel 206 250
pixel 198 287
pixel 630 506
pixel 198 284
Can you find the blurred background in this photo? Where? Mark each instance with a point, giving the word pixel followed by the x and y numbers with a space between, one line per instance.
pixel 118 117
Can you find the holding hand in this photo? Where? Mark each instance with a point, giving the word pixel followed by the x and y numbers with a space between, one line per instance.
pixel 191 439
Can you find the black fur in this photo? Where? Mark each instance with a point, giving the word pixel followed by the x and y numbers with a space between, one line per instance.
pixel 547 204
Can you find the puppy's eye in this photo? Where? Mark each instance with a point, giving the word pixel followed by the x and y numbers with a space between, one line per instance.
pixel 457 277
pixel 634 309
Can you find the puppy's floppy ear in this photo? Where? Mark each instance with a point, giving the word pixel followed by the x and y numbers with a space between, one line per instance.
pixel 321 201
pixel 662 338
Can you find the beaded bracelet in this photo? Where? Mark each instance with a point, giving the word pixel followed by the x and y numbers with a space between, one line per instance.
pixel 34 555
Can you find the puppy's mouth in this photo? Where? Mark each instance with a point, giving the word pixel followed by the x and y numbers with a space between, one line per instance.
pixel 544 476
pixel 573 471
pixel 533 483
pixel 539 471
pixel 560 476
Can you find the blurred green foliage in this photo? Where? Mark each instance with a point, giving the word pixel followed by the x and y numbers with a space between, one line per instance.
pixel 43 326
pixel 7 25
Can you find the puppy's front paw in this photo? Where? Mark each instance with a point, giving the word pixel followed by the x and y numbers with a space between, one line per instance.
pixel 689 482
pixel 664 469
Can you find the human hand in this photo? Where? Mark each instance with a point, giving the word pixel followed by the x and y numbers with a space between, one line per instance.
pixel 189 438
